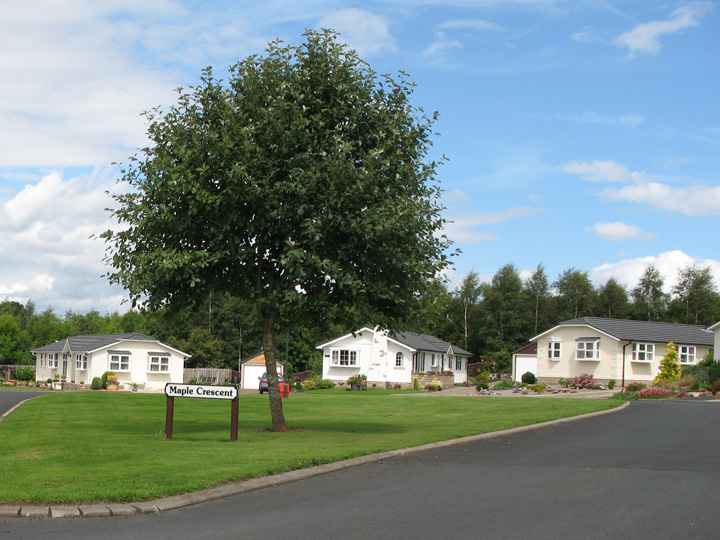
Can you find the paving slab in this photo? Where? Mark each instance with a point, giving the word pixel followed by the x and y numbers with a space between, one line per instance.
pixel 64 511
pixel 95 511
pixel 122 509
pixel 34 511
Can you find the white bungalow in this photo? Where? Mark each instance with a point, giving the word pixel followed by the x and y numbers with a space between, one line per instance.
pixel 619 349
pixel 134 358
pixel 391 358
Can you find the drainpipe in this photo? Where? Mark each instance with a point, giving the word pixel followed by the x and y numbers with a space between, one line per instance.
pixel 623 369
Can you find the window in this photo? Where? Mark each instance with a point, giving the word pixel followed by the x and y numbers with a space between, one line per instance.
pixel 687 354
pixel 554 350
pixel 344 358
pixel 587 350
pixel 643 352
pixel 52 360
pixel 81 362
pixel 399 360
pixel 458 364
pixel 434 360
pixel 119 362
pixel 159 364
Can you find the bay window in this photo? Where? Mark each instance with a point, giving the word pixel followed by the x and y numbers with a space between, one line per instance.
pixel 119 361
pixel 158 363
pixel 587 350
pixel 643 352
pixel 687 354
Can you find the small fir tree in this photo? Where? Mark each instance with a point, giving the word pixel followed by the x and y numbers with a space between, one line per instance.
pixel 669 367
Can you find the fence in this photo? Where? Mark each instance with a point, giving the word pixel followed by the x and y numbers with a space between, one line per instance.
pixel 211 375
pixel 7 372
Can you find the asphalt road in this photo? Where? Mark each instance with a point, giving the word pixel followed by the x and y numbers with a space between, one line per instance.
pixel 10 398
pixel 648 471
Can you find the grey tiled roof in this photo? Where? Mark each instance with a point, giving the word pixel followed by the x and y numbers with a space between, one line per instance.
pixel 425 342
pixel 656 332
pixel 90 342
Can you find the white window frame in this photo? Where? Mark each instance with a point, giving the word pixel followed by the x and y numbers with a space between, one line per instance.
pixel 119 362
pixel 399 359
pixel 687 354
pixel 344 358
pixel 587 350
pixel 554 350
pixel 158 363
pixel 458 363
pixel 643 352
pixel 52 360
pixel 80 362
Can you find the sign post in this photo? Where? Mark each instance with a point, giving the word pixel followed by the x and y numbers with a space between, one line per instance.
pixel 173 390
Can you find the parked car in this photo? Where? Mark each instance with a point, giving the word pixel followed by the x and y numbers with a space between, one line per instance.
pixel 264 381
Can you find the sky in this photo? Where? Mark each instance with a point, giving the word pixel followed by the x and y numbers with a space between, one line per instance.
pixel 578 134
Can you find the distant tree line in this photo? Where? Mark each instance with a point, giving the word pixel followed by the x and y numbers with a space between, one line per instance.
pixel 490 320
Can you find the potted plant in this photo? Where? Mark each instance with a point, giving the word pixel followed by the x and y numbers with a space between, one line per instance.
pixel 357 382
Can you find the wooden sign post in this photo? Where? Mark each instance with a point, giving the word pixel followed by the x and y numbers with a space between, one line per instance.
pixel 173 390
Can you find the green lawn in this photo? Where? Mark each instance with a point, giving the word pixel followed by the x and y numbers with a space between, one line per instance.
pixel 86 446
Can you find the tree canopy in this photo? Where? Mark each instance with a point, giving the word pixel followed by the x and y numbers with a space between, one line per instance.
pixel 302 182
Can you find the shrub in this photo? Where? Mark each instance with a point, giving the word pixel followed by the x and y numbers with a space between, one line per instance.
pixel 309 384
pixel 625 396
pixel 669 367
pixel 540 388
pixel 528 378
pixel 96 383
pixel 104 378
pixel 653 393
pixel 611 384
pixel 25 373
pixel 504 385
pixel 416 384
pixel 634 387
pixel 483 386
pixel 715 388
pixel 564 382
pixel 698 372
pixel 584 380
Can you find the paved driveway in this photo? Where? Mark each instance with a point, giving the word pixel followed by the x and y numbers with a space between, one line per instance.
pixel 649 471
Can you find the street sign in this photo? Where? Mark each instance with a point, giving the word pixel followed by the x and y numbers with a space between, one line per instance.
pixel 201 391
pixel 173 390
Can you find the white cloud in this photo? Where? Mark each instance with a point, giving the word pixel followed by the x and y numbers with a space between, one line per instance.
pixel 87 69
pixel 472 24
pixel 697 200
pixel 442 43
pixel 591 117
pixel 669 263
pixel 619 231
pixel 603 171
pixel 46 251
pixel 689 200
pixel 463 228
pixel 367 33
pixel 645 38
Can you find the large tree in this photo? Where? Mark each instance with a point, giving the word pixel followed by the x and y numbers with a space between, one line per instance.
pixel 649 300
pixel 576 294
pixel 696 292
pixel 303 182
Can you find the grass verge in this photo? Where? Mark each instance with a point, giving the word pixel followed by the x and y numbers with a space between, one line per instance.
pixel 84 446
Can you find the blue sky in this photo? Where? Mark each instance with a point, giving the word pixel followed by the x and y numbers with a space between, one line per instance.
pixel 579 134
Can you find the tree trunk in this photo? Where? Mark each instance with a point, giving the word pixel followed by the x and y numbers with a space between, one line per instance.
pixel 276 408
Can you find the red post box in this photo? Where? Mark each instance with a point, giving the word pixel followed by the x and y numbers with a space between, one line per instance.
pixel 284 389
